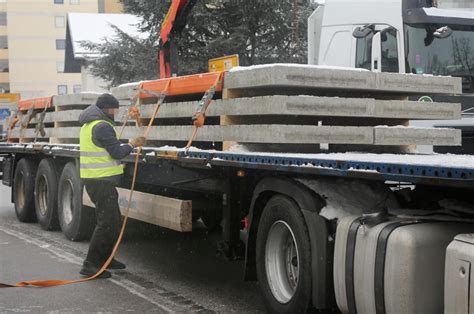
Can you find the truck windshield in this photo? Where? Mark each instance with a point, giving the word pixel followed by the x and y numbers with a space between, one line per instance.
pixel 427 54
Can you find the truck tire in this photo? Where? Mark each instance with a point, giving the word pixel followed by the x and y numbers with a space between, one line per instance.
pixel 284 257
pixel 23 190
pixel 46 195
pixel 77 222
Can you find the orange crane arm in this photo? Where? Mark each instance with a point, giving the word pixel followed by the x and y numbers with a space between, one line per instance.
pixel 174 23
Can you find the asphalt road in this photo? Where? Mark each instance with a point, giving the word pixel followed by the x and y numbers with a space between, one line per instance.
pixel 167 272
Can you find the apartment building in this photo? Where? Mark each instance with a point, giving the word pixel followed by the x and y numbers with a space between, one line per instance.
pixel 33 43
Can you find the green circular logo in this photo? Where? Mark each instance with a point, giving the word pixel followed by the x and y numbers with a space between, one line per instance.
pixel 426 99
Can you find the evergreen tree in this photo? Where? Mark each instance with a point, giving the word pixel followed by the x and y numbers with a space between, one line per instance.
pixel 259 31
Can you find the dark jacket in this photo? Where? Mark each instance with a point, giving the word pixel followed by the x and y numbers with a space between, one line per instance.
pixel 103 134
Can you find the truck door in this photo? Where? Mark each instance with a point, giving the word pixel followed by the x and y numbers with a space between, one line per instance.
pixel 378 50
pixel 336 42
pixel 389 50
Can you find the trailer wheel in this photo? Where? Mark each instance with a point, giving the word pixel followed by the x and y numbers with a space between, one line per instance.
pixel 23 190
pixel 284 257
pixel 77 222
pixel 46 194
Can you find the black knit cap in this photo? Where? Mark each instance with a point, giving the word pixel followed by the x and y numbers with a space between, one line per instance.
pixel 106 101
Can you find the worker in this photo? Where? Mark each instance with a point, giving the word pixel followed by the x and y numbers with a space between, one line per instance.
pixel 101 171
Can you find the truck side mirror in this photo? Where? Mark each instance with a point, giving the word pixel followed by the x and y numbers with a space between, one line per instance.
pixel 377 53
pixel 363 31
pixel 443 32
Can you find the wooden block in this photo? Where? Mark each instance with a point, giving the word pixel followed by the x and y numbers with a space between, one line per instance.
pixel 162 211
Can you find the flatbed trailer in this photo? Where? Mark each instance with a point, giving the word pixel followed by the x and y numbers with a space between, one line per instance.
pixel 239 186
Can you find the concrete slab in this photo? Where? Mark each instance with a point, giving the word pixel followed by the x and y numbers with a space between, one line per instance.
pixel 59 116
pixel 75 99
pixel 63 116
pixel 125 91
pixel 314 77
pixel 282 134
pixel 417 110
pixel 296 134
pixel 418 84
pixel 72 132
pixel 278 134
pixel 310 106
pixel 417 136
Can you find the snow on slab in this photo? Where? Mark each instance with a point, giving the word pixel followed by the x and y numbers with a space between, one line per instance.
pixel 97 28
pixel 403 127
pixel 296 65
pixel 132 84
pixel 319 67
pixel 453 13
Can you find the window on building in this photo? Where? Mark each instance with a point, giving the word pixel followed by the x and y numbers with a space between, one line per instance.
pixel 77 89
pixel 58 1
pixel 4 65
pixel 60 67
pixel 4 88
pixel 101 6
pixel 60 44
pixel 75 2
pixel 62 89
pixel 3 18
pixel 60 21
pixel 3 42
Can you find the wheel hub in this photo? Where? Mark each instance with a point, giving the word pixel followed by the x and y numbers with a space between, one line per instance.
pixel 282 262
pixel 43 195
pixel 20 189
pixel 68 207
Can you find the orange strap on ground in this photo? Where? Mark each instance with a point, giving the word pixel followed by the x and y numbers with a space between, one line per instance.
pixel 54 283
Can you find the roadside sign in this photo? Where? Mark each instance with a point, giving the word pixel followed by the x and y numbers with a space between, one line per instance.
pixel 224 63
pixel 4 114
pixel 9 97
pixel 426 99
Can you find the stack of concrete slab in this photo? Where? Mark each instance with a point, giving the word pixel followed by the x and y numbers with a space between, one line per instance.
pixel 61 123
pixel 299 107
pixel 334 80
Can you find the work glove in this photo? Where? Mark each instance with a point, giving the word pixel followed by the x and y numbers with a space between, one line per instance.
pixel 138 141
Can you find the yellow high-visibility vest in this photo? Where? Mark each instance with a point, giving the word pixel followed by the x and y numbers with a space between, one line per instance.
pixel 95 161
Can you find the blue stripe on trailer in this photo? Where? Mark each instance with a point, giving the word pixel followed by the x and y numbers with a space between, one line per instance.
pixel 390 170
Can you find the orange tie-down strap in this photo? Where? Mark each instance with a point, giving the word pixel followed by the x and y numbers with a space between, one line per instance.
pixel 35 103
pixel 196 84
pixel 215 84
pixel 54 283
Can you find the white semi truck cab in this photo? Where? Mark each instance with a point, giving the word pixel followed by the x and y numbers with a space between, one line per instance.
pixel 402 36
